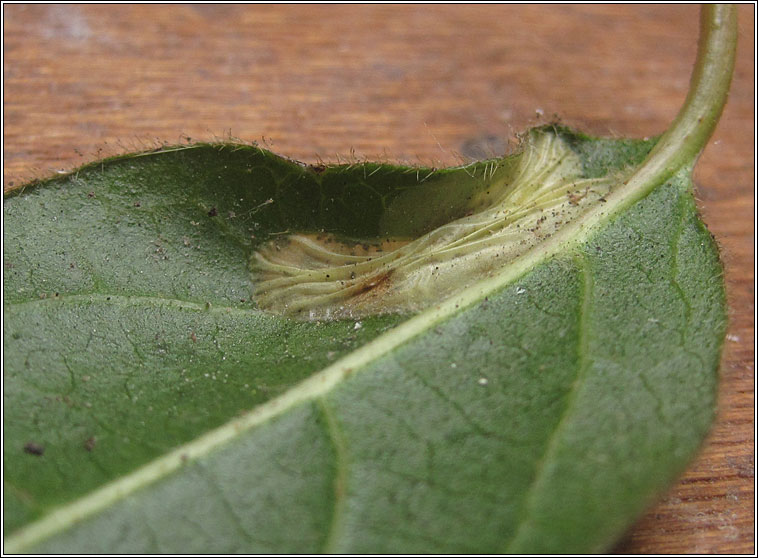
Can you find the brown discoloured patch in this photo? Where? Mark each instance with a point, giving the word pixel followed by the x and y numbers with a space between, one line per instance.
pixel 89 443
pixel 574 197
pixel 375 285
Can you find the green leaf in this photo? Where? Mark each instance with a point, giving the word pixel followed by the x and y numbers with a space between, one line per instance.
pixel 214 349
pixel 548 410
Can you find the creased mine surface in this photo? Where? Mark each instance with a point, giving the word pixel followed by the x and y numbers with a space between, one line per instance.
pixel 318 276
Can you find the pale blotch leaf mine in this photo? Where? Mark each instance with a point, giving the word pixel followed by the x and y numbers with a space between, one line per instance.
pixel 320 277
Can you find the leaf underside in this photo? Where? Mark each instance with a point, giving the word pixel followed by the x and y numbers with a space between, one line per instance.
pixel 542 418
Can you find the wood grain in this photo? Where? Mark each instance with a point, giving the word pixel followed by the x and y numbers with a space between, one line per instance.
pixel 429 84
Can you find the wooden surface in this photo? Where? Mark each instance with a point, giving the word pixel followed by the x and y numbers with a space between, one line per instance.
pixel 429 84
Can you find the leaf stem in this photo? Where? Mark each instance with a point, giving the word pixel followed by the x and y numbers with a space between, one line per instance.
pixel 689 132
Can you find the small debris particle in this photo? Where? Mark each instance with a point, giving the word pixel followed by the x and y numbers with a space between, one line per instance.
pixel 137 204
pixel 520 290
pixel 733 338
pixel 33 448
pixel 483 381
pixel 89 443
pixel 213 212
pixel 232 214
pixel 193 337
pixel 91 195
pixel 186 241
pixel 453 365
pixel 358 325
